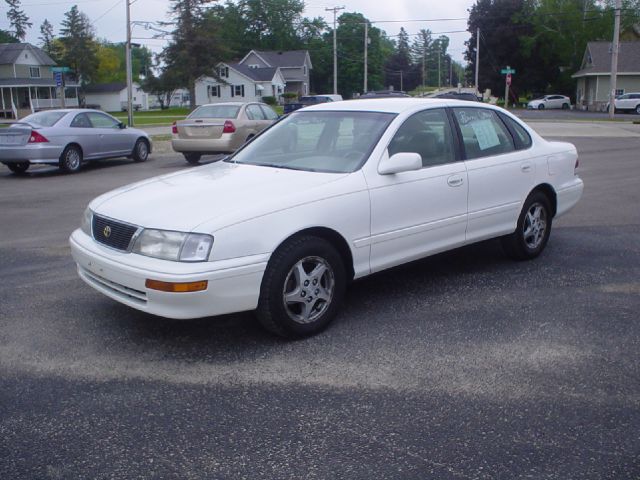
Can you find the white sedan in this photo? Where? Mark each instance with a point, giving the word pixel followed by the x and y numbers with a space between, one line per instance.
pixel 329 194
pixel 550 101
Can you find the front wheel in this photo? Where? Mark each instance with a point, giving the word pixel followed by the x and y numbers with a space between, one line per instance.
pixel 541 106
pixel 533 229
pixel 192 158
pixel 18 167
pixel 71 159
pixel 140 150
pixel 302 288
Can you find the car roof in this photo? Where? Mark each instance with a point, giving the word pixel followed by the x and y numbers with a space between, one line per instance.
pixel 388 105
pixel 232 104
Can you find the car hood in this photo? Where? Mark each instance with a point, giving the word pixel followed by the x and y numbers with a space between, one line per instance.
pixel 219 195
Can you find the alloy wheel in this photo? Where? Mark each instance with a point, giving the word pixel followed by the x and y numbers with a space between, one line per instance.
pixel 308 289
pixel 535 225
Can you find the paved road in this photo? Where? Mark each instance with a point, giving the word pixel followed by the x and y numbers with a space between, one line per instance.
pixel 462 366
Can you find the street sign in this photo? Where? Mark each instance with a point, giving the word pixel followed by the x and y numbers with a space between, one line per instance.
pixel 509 79
pixel 59 79
pixel 508 70
pixel 60 69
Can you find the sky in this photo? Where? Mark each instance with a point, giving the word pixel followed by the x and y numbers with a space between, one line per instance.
pixel 108 17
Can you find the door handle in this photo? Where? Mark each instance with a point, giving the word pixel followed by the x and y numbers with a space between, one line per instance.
pixel 526 168
pixel 455 181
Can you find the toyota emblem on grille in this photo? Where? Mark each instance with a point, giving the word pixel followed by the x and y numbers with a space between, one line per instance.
pixel 107 231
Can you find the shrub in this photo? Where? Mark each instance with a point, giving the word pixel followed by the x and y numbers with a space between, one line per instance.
pixel 270 100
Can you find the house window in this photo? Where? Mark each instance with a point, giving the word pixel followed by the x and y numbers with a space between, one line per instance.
pixel 213 90
pixel 224 72
pixel 253 65
pixel 304 70
pixel 237 91
pixel 34 72
pixel 619 91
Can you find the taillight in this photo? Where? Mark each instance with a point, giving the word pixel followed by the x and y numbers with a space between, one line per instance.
pixel 37 138
pixel 174 128
pixel 229 127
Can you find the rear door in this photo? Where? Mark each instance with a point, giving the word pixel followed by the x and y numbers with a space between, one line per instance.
pixel 499 174
pixel 256 119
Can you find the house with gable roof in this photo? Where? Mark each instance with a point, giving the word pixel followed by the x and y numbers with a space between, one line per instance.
pixel 593 78
pixel 259 74
pixel 27 82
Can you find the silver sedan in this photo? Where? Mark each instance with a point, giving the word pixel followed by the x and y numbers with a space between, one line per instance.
pixel 68 138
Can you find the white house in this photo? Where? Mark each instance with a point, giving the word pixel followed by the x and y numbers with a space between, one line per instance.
pixel 295 66
pixel 239 83
pixel 112 97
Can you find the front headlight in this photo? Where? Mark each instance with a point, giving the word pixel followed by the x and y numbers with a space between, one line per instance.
pixel 87 218
pixel 175 246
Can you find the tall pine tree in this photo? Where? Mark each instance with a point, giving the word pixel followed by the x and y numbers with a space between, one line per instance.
pixel 18 19
pixel 79 45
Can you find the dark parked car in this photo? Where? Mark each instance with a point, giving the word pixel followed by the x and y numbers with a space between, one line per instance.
pixel 384 94
pixel 310 100
pixel 470 97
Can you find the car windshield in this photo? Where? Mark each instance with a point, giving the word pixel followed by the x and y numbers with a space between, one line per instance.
pixel 335 142
pixel 43 119
pixel 216 111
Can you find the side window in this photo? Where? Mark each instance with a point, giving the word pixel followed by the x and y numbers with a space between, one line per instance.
pixel 483 134
pixel 520 135
pixel 99 120
pixel 254 112
pixel 427 133
pixel 269 113
pixel 81 121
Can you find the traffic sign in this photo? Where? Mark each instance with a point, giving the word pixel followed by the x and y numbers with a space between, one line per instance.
pixel 60 69
pixel 59 79
pixel 508 70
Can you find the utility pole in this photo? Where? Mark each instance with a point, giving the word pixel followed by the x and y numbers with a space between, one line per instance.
pixel 614 60
pixel 366 51
pixel 439 67
pixel 127 54
pixel 335 10
pixel 477 59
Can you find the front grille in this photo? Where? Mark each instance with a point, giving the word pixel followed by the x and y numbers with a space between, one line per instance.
pixel 112 233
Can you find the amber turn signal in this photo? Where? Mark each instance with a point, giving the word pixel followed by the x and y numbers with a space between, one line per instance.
pixel 176 287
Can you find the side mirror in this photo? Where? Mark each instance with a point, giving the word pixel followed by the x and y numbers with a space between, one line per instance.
pixel 400 162
pixel 122 126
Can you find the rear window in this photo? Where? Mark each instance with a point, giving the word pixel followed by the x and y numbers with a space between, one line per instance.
pixel 44 119
pixel 215 111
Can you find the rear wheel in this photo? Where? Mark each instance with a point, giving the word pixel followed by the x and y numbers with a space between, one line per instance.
pixel 140 150
pixel 533 229
pixel 541 106
pixel 638 109
pixel 18 167
pixel 192 158
pixel 71 159
pixel 565 106
pixel 302 287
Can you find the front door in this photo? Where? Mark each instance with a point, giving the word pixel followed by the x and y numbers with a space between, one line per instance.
pixel 417 213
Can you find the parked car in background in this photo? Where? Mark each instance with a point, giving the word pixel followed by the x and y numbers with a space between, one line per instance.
pixel 629 102
pixel 69 137
pixel 219 128
pixel 384 94
pixel 550 101
pixel 331 193
pixel 310 100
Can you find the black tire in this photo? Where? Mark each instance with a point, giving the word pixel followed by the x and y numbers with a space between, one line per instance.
pixel 520 245
pixel 565 106
pixel 297 318
pixel 140 150
pixel 192 158
pixel 638 109
pixel 71 159
pixel 541 106
pixel 19 168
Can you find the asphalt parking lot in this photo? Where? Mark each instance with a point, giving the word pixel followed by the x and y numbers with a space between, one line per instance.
pixel 465 365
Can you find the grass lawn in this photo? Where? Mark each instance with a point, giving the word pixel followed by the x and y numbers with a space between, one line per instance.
pixel 154 117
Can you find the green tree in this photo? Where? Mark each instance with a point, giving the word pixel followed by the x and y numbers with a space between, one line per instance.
pixel 47 37
pixel 78 45
pixel 163 87
pixel 419 48
pixel 399 69
pixel 196 46
pixel 18 19
pixel 6 37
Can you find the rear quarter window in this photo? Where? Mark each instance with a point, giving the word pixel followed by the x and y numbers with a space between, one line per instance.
pixel 521 137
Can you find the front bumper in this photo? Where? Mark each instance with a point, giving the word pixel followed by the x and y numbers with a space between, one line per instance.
pixel 32 153
pixel 233 285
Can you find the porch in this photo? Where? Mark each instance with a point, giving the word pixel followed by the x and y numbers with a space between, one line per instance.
pixel 19 101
